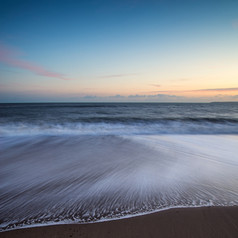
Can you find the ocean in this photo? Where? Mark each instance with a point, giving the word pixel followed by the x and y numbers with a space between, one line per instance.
pixel 89 162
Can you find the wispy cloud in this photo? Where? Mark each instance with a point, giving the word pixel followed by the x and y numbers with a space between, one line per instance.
pixel 200 90
pixel 180 80
pixel 156 85
pixel 116 75
pixel 216 89
pixel 10 57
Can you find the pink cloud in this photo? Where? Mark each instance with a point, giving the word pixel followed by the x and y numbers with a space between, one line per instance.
pixel 10 58
pixel 199 90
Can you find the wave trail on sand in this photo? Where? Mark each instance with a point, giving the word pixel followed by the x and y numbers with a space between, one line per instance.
pixel 90 178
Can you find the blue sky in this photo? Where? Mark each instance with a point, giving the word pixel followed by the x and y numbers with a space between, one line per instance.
pixel 95 50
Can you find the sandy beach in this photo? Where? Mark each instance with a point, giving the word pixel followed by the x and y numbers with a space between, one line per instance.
pixel 179 222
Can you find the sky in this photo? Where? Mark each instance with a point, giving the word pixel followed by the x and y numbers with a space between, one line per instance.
pixel 118 51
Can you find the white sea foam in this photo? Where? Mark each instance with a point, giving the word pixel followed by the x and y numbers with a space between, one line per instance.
pixel 117 128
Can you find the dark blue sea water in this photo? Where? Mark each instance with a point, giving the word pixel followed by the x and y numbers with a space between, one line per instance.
pixel 86 162
pixel 119 118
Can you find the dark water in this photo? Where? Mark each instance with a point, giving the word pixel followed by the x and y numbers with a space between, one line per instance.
pixel 119 118
pixel 89 162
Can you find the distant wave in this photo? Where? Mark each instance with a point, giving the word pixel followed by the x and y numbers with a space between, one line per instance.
pixel 121 126
pixel 144 120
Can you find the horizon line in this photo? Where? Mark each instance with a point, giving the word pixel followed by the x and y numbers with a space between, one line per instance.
pixel 115 102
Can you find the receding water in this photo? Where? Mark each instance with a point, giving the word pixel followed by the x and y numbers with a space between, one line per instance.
pixel 61 163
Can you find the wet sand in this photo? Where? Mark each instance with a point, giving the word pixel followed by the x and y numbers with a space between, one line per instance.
pixel 180 222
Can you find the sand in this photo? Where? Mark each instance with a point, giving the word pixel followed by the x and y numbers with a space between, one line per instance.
pixel 180 222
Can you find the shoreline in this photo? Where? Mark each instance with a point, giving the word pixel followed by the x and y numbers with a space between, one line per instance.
pixel 173 222
pixel 128 216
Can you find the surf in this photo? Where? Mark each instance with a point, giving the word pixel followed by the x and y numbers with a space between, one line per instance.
pixel 92 178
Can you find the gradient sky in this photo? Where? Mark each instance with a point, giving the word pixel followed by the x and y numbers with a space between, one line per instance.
pixel 134 50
